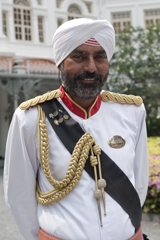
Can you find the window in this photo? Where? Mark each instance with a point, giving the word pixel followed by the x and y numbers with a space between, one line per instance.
pixel 152 17
pixel 41 28
pixel 22 21
pixel 74 12
pixel 121 21
pixel 5 23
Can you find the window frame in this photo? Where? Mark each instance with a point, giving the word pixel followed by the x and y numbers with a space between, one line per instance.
pixel 41 29
pixel 121 23
pixel 5 23
pixel 22 18
pixel 74 14
pixel 152 19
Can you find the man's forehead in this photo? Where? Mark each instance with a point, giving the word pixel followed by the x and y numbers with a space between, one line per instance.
pixel 88 48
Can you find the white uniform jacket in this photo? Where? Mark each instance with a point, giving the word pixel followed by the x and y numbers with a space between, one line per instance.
pixel 76 216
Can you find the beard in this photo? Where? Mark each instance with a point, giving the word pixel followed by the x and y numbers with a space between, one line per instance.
pixel 77 87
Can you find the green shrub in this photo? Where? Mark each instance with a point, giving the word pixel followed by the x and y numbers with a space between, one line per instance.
pixel 152 204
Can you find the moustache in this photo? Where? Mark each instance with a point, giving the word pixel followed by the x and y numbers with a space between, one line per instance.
pixel 88 75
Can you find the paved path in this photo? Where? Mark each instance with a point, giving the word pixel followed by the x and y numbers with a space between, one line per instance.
pixel 9 230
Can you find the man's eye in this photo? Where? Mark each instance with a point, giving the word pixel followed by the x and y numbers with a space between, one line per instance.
pixel 101 56
pixel 77 56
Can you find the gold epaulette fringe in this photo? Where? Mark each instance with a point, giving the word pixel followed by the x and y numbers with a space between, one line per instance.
pixel 40 99
pixel 121 98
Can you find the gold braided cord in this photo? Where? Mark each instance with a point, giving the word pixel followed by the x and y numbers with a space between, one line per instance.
pixel 78 159
pixel 121 98
pixel 45 153
pixel 40 99
pixel 61 188
pixel 57 194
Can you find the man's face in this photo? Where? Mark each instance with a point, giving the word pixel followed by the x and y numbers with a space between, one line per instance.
pixel 85 71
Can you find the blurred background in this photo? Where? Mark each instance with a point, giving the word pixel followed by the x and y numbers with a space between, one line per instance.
pixel 27 67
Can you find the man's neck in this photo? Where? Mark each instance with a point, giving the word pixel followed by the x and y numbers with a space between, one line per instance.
pixel 84 103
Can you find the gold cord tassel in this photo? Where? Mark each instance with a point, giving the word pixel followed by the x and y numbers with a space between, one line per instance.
pixel 101 182
pixel 97 194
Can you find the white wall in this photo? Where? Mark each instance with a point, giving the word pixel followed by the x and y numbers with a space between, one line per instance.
pixel 34 48
pixel 103 9
pixel 136 7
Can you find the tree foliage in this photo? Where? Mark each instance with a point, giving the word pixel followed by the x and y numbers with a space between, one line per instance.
pixel 152 203
pixel 135 69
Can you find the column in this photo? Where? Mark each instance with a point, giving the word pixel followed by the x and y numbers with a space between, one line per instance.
pixel 35 28
pixel 4 123
pixel 1 28
pixel 11 24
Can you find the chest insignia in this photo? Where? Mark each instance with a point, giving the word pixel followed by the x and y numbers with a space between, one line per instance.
pixel 116 142
pixel 59 116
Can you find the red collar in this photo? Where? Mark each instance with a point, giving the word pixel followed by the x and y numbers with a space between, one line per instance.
pixel 77 109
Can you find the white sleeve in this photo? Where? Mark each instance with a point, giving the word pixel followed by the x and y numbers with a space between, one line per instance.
pixel 141 158
pixel 20 170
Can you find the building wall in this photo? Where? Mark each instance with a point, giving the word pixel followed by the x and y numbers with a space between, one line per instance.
pixel 57 10
pixel 34 48
pixel 136 7
pixel 51 13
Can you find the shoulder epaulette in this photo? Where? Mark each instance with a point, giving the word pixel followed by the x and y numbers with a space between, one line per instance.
pixel 40 99
pixel 121 98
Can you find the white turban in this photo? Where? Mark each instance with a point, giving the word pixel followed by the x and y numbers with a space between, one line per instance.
pixel 76 32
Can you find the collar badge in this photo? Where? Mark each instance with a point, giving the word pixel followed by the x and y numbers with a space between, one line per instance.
pixel 116 142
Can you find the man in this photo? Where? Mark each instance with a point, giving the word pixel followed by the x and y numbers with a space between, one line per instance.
pixel 76 158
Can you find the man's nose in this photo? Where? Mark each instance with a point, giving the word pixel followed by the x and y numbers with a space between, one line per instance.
pixel 90 65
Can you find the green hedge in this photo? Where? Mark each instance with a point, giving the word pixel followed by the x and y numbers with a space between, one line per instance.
pixel 152 204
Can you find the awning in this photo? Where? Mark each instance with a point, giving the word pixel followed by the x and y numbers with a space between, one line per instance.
pixel 27 66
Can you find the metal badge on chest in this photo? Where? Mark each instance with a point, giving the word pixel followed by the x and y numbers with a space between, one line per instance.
pixel 116 142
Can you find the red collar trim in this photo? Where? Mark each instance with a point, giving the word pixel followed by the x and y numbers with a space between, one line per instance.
pixel 77 109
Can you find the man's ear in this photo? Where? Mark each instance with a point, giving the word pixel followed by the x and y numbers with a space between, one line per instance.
pixel 60 67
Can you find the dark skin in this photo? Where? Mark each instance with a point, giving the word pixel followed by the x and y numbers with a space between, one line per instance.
pixel 85 71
